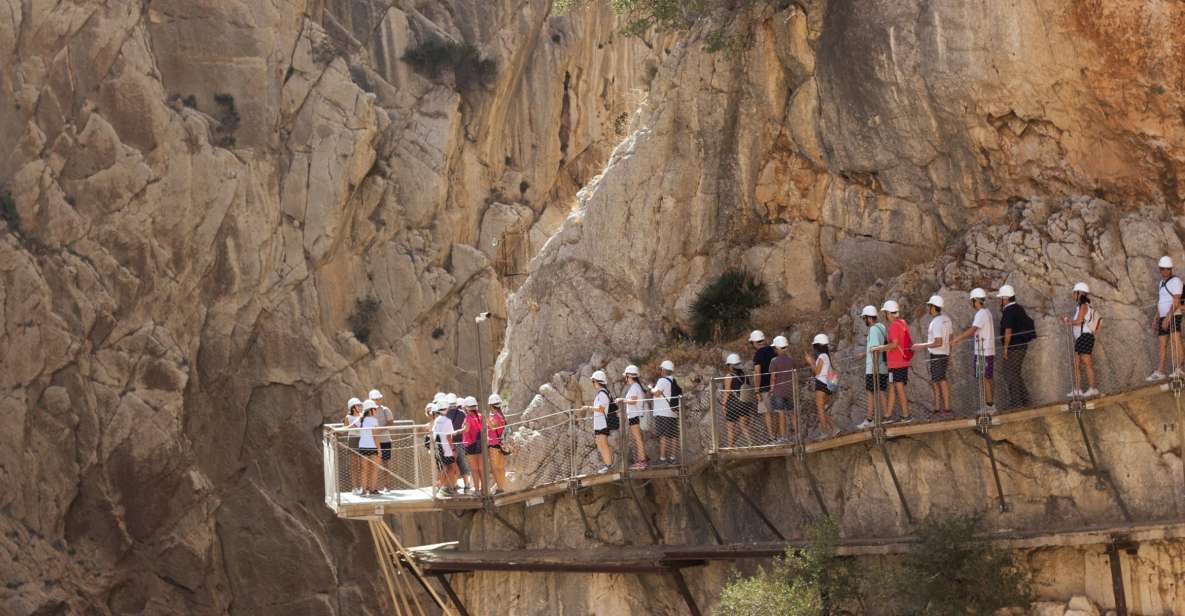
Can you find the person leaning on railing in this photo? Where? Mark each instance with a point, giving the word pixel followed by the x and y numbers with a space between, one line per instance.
pixel 899 353
pixel 368 448
pixel 985 343
pixel 938 343
pixel 876 369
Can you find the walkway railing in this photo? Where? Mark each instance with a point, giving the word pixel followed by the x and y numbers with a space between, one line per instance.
pixel 557 450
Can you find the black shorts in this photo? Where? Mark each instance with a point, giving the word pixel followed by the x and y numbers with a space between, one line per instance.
pixel 366 451
pixel 635 421
pixel 882 381
pixel 666 426
pixel 442 459
pixel 821 386
pixel 500 450
pixel 938 366
pixel 1176 325
pixel 604 432
pixel 386 448
pixel 474 449
pixel 899 375
pixel 1084 344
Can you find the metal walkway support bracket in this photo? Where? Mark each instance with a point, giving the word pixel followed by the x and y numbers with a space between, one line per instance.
pixel 1117 586
pixel 575 493
pixel 1102 477
pixel 391 553
pixel 753 505
pixel 984 426
pixel 879 436
pixel 818 494
pixel 690 495
pixel 655 533
pixel 681 584
pixel 452 594
pixel 522 536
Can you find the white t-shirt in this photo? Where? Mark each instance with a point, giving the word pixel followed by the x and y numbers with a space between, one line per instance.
pixel 824 375
pixel 941 327
pixel 441 428
pixel 985 335
pixel 634 409
pixel 1168 289
pixel 386 418
pixel 600 415
pixel 662 408
pixel 366 440
pixel 1088 323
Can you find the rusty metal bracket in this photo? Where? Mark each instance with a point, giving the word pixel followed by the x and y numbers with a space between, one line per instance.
pixel 753 505
pixel 522 536
pixel 985 432
pixel 818 494
pixel 690 495
pixel 588 531
pixel 1102 477
pixel 685 592
pixel 655 533
pixel 1116 561
pixel 896 484
pixel 448 590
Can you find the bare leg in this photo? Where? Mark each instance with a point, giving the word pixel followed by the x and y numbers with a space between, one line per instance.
pixel 987 390
pixel 889 406
pixel 946 395
pixel 476 468
pixel 606 451
pixel 1089 364
pixel 1176 351
pixel 1162 342
pixel 870 402
pixel 821 407
pixel 770 434
pixel 1078 361
pixel 900 387
pixel 639 446
pixel 729 426
pixel 745 430
pixel 498 462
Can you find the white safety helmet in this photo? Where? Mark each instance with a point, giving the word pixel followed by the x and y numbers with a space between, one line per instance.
pixel 978 293
pixel 599 376
pixel 821 339
pixel 1006 291
pixel 781 342
pixel 868 311
pixel 1166 262
pixel 353 403
pixel 630 370
pixel 1081 287
pixel 375 394
pixel 368 405
pixel 757 336
pixel 936 301
pixel 733 360
pixel 667 365
pixel 890 306
pixel 429 409
pixel 495 400
pixel 470 402
pixel 439 397
pixel 450 399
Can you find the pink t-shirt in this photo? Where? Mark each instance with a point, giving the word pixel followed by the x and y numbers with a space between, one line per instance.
pixel 472 429
pixel 899 333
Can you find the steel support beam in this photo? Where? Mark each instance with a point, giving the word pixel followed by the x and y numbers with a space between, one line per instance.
pixel 753 505
pixel 1102 477
pixel 985 431
pixel 452 595
pixel 681 585
pixel 655 533
pixel 893 475
pixel 690 495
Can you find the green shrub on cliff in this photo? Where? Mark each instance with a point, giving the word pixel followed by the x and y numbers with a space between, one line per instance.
pixel 723 307
pixel 432 57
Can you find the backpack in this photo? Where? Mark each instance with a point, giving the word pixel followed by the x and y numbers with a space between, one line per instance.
pixel 1026 328
pixel 907 346
pixel 676 394
pixel 612 422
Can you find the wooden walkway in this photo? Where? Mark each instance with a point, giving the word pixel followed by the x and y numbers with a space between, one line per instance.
pixel 353 506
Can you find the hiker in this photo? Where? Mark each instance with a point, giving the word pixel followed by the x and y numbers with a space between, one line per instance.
pixel 1084 324
pixel 667 401
pixel 781 388
pixel 386 419
pixel 602 402
pixel 824 379
pixel 368 448
pixel 1018 332
pixel 353 420
pixel 471 441
pixel 1167 323
pixel 456 414
pixel 635 397
pixel 499 448
pixel 985 343
pixel 876 369
pixel 938 343
pixel 763 354
pixel 736 409
pixel 442 435
pixel 898 350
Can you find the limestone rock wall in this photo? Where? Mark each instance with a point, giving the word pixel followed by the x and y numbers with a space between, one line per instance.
pixel 194 196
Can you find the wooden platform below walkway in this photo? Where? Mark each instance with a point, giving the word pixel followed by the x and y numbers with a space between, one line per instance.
pixel 445 558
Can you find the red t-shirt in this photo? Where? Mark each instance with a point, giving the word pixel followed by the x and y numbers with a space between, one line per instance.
pixel 899 333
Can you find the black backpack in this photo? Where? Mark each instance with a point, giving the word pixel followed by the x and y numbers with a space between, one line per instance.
pixel 676 394
pixel 1026 328
pixel 611 419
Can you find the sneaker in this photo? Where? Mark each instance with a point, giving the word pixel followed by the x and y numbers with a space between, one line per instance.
pixel 605 468
pixel 907 419
pixel 1090 393
pixel 640 465
pixel 990 409
pixel 1074 394
pixel 1156 375
pixel 888 420
pixel 442 493
pixel 864 425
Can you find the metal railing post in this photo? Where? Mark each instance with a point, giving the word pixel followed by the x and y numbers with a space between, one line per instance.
pixel 623 428
pixel 800 443
pixel 712 415
pixel 572 442
pixel 415 457
pixel 877 411
pixel 485 449
pixel 679 440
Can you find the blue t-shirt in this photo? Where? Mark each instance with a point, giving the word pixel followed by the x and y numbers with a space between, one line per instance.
pixel 876 337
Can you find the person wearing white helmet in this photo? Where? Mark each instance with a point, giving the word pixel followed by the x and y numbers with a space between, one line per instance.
pixel 456 415
pixel 368 448
pixel 1167 322
pixel 763 355
pixel 1084 324
pixel 386 419
pixel 1017 331
pixel 499 449
pixel 604 414
pixel 737 409
pixel 471 441
pixel 825 379
pixel 876 369
pixel 898 350
pixel 443 434
pixel 781 388
pixel 352 422
pixel 985 344
pixel 667 400
pixel 938 343
pixel 635 408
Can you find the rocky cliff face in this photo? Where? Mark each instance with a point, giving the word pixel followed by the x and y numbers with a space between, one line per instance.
pixel 220 220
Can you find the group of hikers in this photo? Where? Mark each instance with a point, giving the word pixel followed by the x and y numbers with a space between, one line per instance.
pixel 768 391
